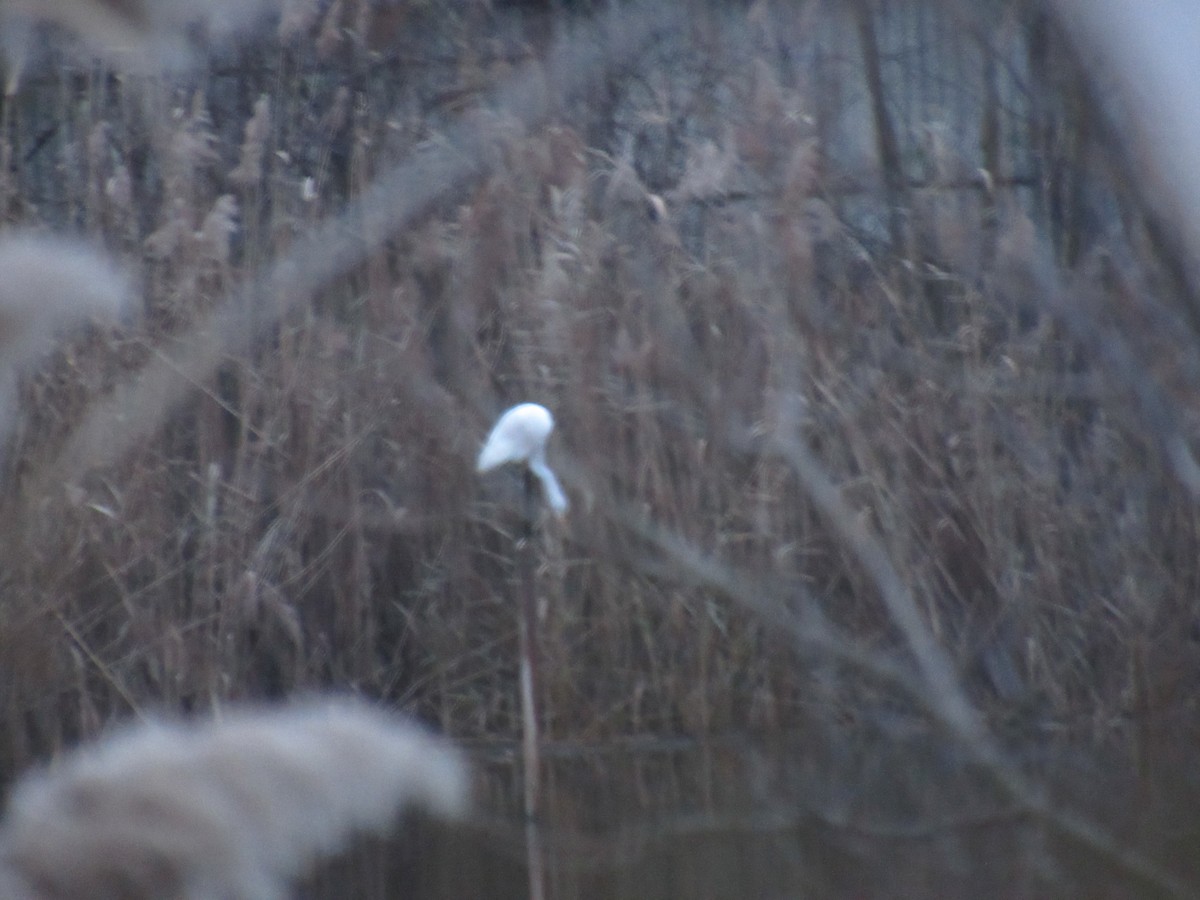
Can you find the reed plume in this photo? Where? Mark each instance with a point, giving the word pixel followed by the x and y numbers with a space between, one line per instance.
pixel 231 808
pixel 49 286
pixel 139 34
pixel 125 22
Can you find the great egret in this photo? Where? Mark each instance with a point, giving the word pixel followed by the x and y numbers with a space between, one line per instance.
pixel 519 436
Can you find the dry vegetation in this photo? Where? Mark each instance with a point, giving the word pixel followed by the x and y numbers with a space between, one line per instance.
pixel 884 475
pixel 231 808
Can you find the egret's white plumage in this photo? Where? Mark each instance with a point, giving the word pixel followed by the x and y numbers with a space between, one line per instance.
pixel 519 436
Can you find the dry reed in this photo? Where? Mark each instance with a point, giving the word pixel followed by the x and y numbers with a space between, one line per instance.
pixel 931 458
pixel 141 34
pixel 234 807
pixel 50 286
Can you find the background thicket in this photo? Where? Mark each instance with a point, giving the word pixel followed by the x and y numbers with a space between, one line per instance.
pixel 841 309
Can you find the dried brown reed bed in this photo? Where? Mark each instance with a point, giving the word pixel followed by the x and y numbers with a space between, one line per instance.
pixel 695 311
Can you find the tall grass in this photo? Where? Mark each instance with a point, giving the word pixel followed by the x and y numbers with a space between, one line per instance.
pixel 833 471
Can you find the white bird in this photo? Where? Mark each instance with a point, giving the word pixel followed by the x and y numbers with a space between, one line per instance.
pixel 519 436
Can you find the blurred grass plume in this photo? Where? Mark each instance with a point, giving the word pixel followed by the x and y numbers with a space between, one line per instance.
pixel 232 807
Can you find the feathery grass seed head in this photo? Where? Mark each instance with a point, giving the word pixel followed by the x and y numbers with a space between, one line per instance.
pixel 231 808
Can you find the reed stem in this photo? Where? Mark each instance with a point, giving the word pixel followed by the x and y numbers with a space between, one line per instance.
pixel 531 744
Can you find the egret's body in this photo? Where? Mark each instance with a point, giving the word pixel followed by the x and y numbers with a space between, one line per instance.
pixel 519 436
